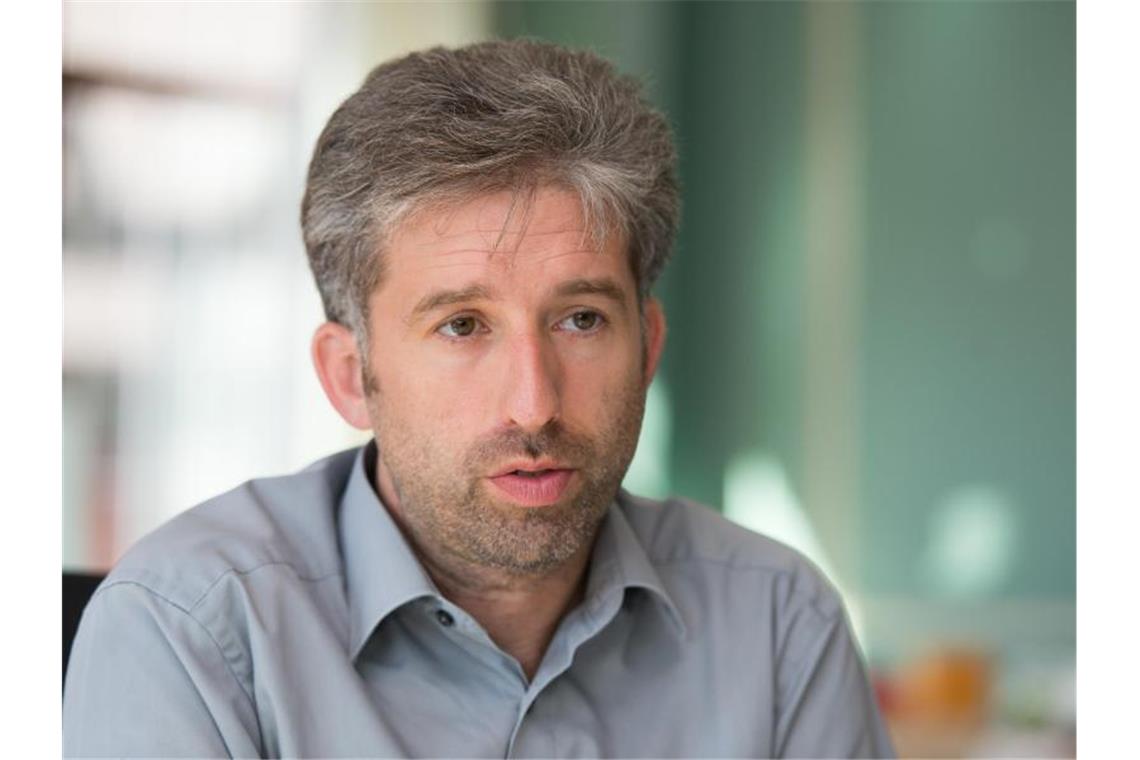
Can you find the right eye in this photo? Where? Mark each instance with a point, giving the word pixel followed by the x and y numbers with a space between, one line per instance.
pixel 459 327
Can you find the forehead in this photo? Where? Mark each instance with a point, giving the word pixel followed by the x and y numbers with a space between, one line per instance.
pixel 501 237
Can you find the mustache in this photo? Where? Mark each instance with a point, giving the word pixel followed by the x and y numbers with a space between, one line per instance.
pixel 553 440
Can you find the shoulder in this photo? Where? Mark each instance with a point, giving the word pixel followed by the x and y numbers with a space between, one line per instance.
pixel 286 521
pixel 685 538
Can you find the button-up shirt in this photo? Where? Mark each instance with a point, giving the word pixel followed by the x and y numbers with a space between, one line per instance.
pixel 291 617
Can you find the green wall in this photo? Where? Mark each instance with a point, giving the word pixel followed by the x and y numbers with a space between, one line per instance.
pixel 968 372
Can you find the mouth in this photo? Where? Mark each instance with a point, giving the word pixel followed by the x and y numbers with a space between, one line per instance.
pixel 532 485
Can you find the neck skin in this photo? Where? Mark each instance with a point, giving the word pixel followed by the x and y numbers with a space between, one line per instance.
pixel 519 612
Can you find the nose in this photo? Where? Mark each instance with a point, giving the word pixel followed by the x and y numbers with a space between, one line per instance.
pixel 531 389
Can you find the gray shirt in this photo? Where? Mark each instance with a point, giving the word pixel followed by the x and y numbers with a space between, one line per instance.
pixel 290 617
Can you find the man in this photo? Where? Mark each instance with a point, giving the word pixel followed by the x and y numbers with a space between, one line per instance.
pixel 484 226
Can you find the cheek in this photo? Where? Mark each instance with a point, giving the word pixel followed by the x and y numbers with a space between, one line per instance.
pixel 592 391
pixel 431 405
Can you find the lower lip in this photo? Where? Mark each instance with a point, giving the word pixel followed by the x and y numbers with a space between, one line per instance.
pixel 534 491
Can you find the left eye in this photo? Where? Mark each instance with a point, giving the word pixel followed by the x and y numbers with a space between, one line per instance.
pixel 582 321
pixel 459 327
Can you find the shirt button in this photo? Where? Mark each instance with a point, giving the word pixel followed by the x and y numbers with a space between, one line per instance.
pixel 444 617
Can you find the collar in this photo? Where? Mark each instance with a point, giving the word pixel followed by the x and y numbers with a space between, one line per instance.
pixel 619 563
pixel 382 573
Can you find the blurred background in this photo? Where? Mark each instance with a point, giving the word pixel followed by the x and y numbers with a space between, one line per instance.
pixel 872 314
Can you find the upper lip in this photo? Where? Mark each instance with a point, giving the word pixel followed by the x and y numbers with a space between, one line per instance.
pixel 529 465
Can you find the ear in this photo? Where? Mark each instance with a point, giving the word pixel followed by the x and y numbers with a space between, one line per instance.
pixel 654 337
pixel 338 364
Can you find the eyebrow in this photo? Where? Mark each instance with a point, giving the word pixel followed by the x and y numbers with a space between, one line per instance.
pixel 434 300
pixel 604 287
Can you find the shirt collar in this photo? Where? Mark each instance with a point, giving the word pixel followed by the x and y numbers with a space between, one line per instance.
pixel 381 570
pixel 620 562
pixel 382 573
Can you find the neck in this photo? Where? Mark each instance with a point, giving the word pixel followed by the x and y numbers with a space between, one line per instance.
pixel 520 612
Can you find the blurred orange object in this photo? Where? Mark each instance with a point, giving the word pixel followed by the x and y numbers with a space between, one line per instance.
pixel 951 685
pixel 939 702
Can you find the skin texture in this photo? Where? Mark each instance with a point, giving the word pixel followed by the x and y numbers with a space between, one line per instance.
pixel 486 353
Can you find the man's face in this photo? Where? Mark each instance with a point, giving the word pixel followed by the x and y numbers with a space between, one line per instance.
pixel 507 381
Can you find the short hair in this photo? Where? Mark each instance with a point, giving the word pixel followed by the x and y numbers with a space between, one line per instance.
pixel 444 125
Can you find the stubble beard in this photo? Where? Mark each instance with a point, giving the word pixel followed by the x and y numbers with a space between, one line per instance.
pixel 452 516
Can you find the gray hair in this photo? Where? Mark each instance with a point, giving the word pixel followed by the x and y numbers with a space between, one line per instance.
pixel 443 125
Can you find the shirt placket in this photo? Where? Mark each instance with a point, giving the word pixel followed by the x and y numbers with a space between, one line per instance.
pixel 577 629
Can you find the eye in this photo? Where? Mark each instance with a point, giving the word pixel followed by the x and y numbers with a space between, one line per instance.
pixel 459 327
pixel 582 322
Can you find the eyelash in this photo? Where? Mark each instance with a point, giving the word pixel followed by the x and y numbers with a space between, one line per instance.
pixel 480 327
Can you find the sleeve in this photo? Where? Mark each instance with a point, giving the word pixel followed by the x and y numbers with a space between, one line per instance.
pixel 145 678
pixel 828 708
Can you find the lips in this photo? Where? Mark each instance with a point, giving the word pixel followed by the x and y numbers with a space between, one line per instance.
pixel 531 487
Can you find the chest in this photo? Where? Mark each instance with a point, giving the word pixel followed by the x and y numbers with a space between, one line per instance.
pixel 628 690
